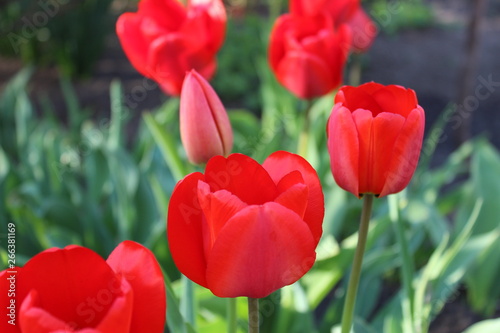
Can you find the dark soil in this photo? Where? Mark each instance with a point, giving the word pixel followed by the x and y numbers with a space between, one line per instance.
pixel 427 60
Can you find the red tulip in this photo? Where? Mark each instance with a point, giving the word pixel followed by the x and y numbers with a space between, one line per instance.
pixel 363 29
pixel 245 229
pixel 375 135
pixel 75 290
pixel 205 127
pixel 308 54
pixel 347 12
pixel 164 40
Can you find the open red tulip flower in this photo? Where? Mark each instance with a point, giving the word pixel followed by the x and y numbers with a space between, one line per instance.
pixel 375 135
pixel 245 229
pixel 308 53
pixel 205 127
pixel 75 290
pixel 164 39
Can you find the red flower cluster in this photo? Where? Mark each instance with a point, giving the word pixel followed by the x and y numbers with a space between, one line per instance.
pixel 164 40
pixel 375 134
pixel 245 229
pixel 74 289
pixel 310 45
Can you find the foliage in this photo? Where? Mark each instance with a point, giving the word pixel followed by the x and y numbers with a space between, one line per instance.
pixel 48 32
pixel 394 15
pixel 81 184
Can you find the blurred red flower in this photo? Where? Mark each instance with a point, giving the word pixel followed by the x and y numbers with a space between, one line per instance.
pixel 74 289
pixel 245 229
pixel 375 134
pixel 164 39
pixel 205 127
pixel 341 12
pixel 308 53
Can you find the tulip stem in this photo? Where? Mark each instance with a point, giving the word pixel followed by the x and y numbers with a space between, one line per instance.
pixel 253 315
pixel 232 324
pixel 352 288
pixel 304 134
pixel 355 70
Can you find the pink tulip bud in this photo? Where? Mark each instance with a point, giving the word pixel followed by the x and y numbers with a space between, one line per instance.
pixel 205 127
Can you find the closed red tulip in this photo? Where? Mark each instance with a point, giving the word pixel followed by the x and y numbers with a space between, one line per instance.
pixel 375 135
pixel 245 229
pixel 75 290
pixel 205 127
pixel 164 39
pixel 308 53
pixel 347 12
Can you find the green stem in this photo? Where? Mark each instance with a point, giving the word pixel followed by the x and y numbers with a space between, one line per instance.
pixel 232 324
pixel 352 288
pixel 355 70
pixel 304 134
pixel 407 269
pixel 187 300
pixel 253 315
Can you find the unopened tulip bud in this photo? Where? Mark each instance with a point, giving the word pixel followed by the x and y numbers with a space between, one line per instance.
pixel 205 127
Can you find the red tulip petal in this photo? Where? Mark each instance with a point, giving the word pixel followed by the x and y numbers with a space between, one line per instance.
pixel 386 129
pixel 215 23
pixel 170 13
pixel 218 208
pixel 219 114
pixel 364 30
pixel 261 249
pixel 279 165
pixel 167 65
pixel 307 7
pixel 34 318
pixel 396 99
pixel 124 310
pixel 343 146
pixel 171 56
pixel 133 42
pixel 306 75
pixel 76 273
pixel 200 135
pixel 241 176
pixel 139 267
pixel 364 124
pixel 361 97
pixel 295 199
pixel 341 10
pixel 282 25
pixel 405 154
pixel 288 180
pixel 184 229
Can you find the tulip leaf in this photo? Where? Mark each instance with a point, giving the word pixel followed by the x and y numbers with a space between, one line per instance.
pixel 482 279
pixel 175 320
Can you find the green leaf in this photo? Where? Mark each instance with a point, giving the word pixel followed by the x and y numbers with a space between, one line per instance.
pixel 168 147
